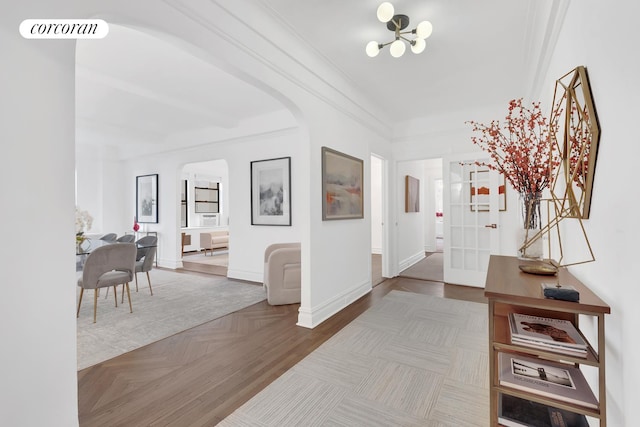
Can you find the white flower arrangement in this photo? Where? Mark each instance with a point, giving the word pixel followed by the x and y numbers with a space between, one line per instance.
pixel 84 220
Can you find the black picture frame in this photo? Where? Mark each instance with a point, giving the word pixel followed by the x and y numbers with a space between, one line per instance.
pixel 147 198
pixel 271 192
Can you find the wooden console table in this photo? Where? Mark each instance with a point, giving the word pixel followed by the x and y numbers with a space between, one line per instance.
pixel 510 290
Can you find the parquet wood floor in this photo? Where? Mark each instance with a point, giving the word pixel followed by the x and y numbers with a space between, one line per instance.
pixel 199 376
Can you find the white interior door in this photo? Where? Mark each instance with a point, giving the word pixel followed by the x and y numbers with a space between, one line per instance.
pixel 471 205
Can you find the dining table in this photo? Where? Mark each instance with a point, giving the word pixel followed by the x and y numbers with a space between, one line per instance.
pixel 88 245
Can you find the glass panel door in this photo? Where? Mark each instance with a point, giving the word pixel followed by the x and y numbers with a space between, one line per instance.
pixel 470 220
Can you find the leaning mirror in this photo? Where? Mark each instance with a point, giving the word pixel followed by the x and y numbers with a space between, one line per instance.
pixel 577 142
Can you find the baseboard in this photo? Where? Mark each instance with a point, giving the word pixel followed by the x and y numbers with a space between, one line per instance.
pixel 376 251
pixel 312 318
pixel 170 263
pixel 250 276
pixel 408 262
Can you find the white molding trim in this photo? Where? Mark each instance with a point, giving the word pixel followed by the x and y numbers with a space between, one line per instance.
pixel 368 119
pixel 312 318
pixel 413 259
pixel 430 248
pixel 169 263
pixel 249 276
pixel 377 251
pixel 553 28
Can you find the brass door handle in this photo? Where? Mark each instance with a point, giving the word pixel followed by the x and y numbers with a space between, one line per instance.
pixel 491 225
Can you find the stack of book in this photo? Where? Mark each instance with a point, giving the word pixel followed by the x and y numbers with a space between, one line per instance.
pixel 559 381
pixel 516 412
pixel 559 336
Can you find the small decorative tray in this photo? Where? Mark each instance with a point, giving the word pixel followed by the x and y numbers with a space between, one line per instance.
pixel 539 268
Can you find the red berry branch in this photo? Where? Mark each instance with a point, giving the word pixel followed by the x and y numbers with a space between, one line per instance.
pixel 520 147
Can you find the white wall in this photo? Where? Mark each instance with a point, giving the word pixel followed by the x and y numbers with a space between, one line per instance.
pixel 410 228
pixel 376 205
pixel 432 172
pixel 37 308
pixel 39 360
pixel 602 37
pixel 315 102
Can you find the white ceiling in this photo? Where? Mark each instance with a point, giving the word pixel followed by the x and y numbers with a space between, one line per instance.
pixel 133 88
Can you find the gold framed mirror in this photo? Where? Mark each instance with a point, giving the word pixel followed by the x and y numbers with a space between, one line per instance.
pixel 577 142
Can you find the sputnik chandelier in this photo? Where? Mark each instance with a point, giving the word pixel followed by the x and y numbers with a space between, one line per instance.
pixel 397 23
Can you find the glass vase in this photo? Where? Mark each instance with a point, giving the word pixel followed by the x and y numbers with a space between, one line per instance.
pixel 530 236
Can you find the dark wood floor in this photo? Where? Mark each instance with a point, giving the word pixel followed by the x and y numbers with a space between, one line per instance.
pixel 198 377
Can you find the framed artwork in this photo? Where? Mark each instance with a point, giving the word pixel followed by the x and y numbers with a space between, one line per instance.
pixel 147 198
pixel 271 191
pixel 411 194
pixel 479 190
pixel 342 185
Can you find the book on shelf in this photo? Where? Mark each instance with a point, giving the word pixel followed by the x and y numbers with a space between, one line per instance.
pixel 559 381
pixel 576 352
pixel 555 332
pixel 516 412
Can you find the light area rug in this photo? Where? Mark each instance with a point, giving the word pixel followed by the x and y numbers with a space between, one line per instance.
pixel 180 301
pixel 410 360
pixel 220 258
pixel 429 268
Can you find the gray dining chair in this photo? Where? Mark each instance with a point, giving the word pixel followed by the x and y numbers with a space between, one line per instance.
pixel 144 243
pixel 107 266
pixel 109 237
pixel 145 265
pixel 127 238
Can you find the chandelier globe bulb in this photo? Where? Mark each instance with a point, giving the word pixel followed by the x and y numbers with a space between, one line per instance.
pixel 385 12
pixel 424 30
pixel 397 48
pixel 418 46
pixel 372 49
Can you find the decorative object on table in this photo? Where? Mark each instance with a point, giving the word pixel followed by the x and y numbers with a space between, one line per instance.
pixel 80 239
pixel 342 181
pixel 577 145
pixel 397 23
pixel 542 268
pixel 479 194
pixel 84 221
pixel 411 194
pixel 147 198
pixel 557 291
pixel 271 191
pixel 521 150
pixel 136 226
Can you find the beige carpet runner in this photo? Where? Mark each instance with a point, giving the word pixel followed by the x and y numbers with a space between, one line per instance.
pixel 410 360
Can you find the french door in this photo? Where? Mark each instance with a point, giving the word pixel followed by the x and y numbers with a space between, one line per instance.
pixel 471 206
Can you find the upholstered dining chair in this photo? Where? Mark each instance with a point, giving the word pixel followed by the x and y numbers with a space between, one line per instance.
pixel 145 265
pixel 107 266
pixel 109 237
pixel 144 243
pixel 126 238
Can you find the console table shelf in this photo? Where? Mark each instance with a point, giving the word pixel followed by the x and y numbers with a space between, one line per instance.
pixel 510 290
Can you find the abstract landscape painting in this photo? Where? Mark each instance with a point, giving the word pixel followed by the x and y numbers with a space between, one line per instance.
pixel 342 181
